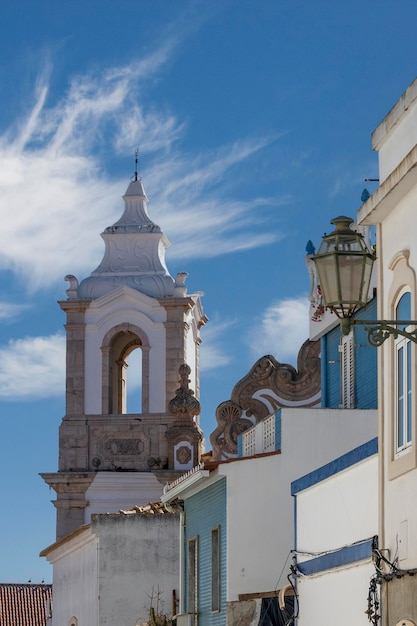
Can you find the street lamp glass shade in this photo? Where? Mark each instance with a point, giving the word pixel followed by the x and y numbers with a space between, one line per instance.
pixel 344 265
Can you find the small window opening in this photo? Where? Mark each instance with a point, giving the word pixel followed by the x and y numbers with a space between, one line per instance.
pixel 215 569
pixel 133 382
pixel 125 375
pixel 192 580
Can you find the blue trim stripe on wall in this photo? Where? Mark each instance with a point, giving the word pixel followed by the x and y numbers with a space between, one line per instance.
pixel 240 446
pixel 278 430
pixel 344 556
pixel 343 462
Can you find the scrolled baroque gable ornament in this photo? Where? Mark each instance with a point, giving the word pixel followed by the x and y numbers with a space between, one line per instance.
pixel 230 424
pixel 268 386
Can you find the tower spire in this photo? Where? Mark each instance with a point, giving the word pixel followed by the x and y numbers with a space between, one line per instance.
pixel 135 175
pixel 134 252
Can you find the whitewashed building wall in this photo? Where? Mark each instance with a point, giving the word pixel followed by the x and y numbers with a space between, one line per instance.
pixel 392 208
pixel 260 507
pixel 336 522
pixel 112 571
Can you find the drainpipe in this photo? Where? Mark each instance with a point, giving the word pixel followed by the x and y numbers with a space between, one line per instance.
pixel 182 562
pixel 295 551
pixel 97 581
pixel 178 508
pixel 383 409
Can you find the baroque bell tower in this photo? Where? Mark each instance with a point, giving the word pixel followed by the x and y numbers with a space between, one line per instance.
pixel 113 456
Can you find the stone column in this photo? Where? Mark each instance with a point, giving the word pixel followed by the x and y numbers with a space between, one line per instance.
pixel 71 503
pixel 176 340
pixel 75 329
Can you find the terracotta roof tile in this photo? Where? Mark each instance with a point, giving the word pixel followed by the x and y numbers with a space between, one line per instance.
pixel 25 604
pixel 153 508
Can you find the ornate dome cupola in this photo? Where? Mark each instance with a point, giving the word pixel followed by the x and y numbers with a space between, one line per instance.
pixel 115 452
pixel 134 255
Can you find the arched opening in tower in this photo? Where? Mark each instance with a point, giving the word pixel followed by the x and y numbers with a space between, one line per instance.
pixel 133 382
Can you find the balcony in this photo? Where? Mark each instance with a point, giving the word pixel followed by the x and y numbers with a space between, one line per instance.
pixel 261 438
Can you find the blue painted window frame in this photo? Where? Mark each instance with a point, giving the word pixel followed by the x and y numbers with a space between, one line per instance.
pixel 215 570
pixel 192 578
pixel 403 382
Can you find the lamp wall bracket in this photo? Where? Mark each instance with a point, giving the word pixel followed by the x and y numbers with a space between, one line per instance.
pixel 378 331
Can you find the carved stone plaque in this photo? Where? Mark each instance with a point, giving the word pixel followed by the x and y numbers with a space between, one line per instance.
pixel 183 455
pixel 121 447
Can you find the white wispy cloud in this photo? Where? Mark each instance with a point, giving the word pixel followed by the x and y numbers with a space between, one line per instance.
pixel 281 331
pixel 57 197
pixel 33 367
pixel 191 207
pixel 9 311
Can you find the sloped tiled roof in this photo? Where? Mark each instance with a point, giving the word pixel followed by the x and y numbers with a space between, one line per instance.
pixel 152 508
pixel 25 604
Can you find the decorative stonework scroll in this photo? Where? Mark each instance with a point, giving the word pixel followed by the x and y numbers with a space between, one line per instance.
pixel 185 439
pixel 122 444
pixel 120 447
pixel 267 386
pixel 183 455
pixel 184 407
pixel 230 425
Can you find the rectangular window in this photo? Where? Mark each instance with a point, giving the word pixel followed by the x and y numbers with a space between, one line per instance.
pixel 192 580
pixel 215 569
pixel 403 417
pixel 347 371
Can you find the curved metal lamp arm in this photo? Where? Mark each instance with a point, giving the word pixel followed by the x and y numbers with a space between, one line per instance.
pixel 378 331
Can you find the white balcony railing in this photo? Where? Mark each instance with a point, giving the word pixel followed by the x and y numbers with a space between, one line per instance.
pixel 268 434
pixel 261 438
pixel 249 442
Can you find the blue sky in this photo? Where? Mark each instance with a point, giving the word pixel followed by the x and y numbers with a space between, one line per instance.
pixel 253 122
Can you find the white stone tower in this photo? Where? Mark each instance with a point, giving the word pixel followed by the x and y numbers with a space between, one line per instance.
pixel 111 456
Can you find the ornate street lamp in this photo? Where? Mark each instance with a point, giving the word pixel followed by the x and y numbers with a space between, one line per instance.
pixel 344 266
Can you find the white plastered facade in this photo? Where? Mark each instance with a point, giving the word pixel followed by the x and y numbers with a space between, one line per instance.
pixel 310 438
pixel 392 208
pixel 111 571
pixel 337 512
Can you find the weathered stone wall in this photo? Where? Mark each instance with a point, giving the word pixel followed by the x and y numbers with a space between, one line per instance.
pixel 114 442
pixel 399 597
pixel 243 613
pixel 138 557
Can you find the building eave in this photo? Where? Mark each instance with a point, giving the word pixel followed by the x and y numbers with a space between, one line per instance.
pixel 392 190
pixel 82 533
pixel 180 488
pixel 394 116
